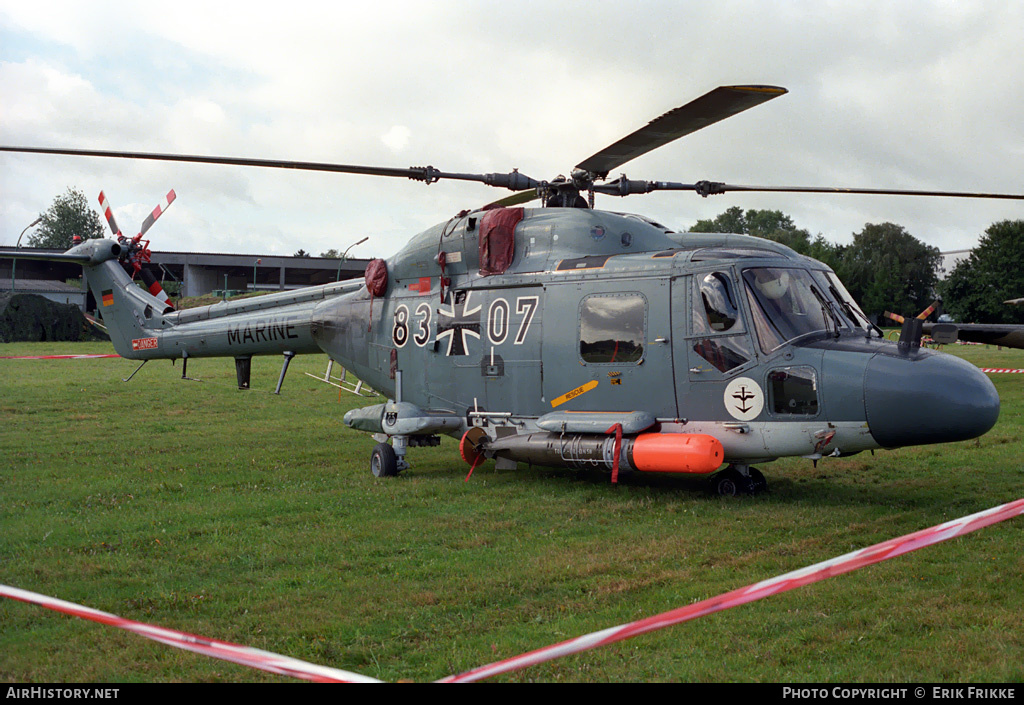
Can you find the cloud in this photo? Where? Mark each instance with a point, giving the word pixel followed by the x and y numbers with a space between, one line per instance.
pixel 396 138
pixel 912 95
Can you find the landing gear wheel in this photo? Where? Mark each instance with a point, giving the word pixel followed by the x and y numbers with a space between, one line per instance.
pixel 383 461
pixel 758 483
pixel 729 483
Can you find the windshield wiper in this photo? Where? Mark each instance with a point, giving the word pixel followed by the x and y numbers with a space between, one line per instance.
pixel 827 311
pixel 855 313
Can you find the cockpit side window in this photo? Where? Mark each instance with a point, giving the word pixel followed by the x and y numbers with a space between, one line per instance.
pixel 793 391
pixel 724 352
pixel 718 332
pixel 716 309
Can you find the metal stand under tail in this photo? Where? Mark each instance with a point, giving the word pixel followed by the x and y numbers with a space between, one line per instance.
pixel 136 371
pixel 288 355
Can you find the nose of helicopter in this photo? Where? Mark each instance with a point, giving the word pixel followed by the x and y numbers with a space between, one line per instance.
pixel 927 397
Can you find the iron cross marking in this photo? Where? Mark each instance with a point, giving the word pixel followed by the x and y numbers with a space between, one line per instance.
pixel 457 321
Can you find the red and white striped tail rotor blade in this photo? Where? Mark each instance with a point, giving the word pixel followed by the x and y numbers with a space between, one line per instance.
pixel 109 213
pixel 157 212
pixel 154 288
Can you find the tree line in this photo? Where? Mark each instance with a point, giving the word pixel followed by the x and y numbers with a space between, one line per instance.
pixel 886 268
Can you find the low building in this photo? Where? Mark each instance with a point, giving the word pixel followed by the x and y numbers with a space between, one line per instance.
pixel 190 273
pixel 950 260
pixel 56 291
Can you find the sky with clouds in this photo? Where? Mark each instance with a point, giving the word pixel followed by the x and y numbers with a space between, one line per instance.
pixel 910 94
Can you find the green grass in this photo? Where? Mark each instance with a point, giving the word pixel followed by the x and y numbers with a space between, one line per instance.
pixel 254 518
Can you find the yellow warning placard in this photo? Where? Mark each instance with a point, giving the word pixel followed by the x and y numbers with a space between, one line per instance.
pixel 582 389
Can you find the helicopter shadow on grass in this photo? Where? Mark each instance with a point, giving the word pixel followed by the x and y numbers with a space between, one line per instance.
pixel 863 485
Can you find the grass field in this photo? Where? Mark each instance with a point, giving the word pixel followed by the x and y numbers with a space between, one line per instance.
pixel 253 518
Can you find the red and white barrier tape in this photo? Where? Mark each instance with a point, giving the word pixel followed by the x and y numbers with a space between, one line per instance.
pixel 992 370
pixel 55 357
pixel 798 578
pixel 247 656
pixel 285 665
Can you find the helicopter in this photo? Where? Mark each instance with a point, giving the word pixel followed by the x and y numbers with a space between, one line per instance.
pixel 945 332
pixel 566 336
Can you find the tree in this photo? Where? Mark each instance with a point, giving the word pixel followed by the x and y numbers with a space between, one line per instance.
pixel 776 226
pixel 302 253
pixel 887 268
pixel 732 221
pixel 832 254
pixel 977 287
pixel 332 253
pixel 67 216
pixel 771 225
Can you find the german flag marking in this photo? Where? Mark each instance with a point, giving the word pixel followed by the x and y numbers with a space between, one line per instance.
pixel 108 297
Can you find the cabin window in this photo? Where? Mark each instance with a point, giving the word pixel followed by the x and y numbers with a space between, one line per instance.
pixel 612 328
pixel 716 309
pixel 793 391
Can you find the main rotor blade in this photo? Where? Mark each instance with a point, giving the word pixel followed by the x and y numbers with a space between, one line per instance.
pixel 723 188
pixel 722 102
pixel 34 254
pixel 512 180
pixel 515 199
pixel 626 187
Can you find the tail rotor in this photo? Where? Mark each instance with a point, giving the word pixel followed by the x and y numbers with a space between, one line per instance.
pixel 921 316
pixel 135 251
pixel 913 328
pixel 109 213
pixel 157 212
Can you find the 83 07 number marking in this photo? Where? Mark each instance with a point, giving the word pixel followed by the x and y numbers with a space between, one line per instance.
pixel 499 321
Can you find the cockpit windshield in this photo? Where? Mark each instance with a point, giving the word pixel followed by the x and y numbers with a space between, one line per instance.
pixel 788 303
pixel 849 307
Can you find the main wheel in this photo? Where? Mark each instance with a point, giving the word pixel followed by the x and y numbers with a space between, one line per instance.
pixel 383 461
pixel 758 483
pixel 729 483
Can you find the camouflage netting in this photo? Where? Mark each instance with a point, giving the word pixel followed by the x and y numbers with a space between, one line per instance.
pixel 34 318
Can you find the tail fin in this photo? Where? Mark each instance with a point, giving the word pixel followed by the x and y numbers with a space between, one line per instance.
pixel 133 317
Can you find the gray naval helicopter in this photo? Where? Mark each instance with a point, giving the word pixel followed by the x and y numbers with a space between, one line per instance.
pixel 566 336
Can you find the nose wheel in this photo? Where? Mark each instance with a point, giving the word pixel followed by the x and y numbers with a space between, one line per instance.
pixel 384 461
pixel 738 479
